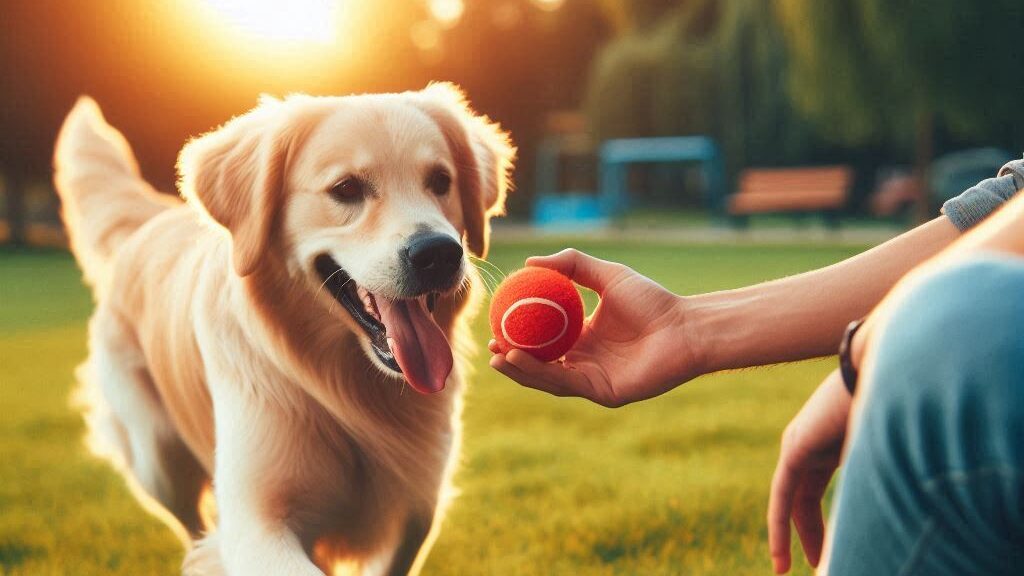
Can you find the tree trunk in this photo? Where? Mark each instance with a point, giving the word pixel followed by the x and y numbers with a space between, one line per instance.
pixel 923 151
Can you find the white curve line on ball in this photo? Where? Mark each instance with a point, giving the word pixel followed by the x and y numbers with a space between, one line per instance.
pixel 534 300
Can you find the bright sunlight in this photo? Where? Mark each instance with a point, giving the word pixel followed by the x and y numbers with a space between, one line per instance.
pixel 272 45
pixel 292 22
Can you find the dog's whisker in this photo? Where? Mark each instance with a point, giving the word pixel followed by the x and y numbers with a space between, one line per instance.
pixel 330 309
pixel 324 283
pixel 486 275
pixel 490 287
pixel 484 261
pixel 467 284
pixel 493 267
pixel 490 279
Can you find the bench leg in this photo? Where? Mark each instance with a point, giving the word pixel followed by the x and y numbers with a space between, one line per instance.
pixel 831 219
pixel 738 221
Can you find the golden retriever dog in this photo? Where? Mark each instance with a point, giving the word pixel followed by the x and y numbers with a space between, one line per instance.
pixel 291 337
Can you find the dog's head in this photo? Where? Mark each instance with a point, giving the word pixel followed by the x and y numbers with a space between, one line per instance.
pixel 375 201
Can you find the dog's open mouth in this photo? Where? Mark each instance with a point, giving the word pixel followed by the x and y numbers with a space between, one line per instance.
pixel 402 333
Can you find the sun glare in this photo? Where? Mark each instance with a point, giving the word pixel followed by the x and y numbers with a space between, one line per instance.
pixel 446 12
pixel 549 5
pixel 274 46
pixel 291 22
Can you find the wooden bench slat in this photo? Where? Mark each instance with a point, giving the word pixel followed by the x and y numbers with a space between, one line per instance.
pixel 787 202
pixel 756 183
pixel 819 172
pixel 795 187
pixel 791 190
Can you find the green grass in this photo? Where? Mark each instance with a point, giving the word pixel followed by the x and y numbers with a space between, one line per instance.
pixel 676 485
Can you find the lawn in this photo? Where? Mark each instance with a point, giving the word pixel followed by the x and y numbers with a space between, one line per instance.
pixel 676 485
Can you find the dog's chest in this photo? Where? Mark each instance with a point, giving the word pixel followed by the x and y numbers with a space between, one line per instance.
pixel 340 489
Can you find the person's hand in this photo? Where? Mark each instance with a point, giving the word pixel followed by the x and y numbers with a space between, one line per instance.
pixel 811 449
pixel 634 346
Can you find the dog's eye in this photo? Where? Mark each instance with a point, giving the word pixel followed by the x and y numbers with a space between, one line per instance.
pixel 349 190
pixel 439 182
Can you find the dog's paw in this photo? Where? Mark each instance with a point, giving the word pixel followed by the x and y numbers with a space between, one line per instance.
pixel 204 559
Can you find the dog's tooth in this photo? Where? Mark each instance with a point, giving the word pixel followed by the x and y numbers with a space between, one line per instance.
pixel 371 306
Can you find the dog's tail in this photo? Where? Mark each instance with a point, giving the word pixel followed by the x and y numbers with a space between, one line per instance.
pixel 104 199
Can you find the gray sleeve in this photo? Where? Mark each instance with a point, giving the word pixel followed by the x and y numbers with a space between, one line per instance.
pixel 977 202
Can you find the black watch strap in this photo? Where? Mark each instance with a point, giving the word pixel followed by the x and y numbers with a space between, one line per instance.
pixel 846 367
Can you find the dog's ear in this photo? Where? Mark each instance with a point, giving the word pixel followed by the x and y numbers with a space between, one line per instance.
pixel 483 155
pixel 235 174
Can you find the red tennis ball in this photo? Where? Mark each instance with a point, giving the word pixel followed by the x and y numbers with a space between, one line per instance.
pixel 537 310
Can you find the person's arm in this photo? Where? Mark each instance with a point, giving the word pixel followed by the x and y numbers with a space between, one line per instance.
pixel 808 457
pixel 1003 232
pixel 803 316
pixel 642 340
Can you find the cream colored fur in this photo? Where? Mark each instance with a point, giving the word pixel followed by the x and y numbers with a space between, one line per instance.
pixel 217 360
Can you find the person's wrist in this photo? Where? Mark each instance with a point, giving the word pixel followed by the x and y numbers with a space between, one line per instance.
pixel 691 318
pixel 848 368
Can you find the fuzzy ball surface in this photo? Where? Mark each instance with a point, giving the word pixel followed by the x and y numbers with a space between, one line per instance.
pixel 537 310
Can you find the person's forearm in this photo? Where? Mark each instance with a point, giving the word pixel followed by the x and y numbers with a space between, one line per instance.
pixel 804 316
pixel 1002 232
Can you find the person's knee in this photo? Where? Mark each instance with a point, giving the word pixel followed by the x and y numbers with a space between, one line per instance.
pixel 948 365
pixel 935 462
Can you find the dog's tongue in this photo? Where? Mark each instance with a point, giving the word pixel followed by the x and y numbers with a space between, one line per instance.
pixel 419 345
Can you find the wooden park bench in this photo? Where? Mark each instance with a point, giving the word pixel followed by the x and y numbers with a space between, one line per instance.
pixel 822 189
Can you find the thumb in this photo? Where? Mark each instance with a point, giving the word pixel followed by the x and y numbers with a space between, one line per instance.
pixel 583 269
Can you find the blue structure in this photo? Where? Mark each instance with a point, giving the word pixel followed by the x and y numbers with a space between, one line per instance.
pixel 577 209
pixel 617 155
pixel 566 210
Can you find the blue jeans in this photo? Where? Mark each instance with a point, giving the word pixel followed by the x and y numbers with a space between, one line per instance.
pixel 933 482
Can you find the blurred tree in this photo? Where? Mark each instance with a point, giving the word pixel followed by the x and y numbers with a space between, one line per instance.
pixel 884 71
pixel 866 82
pixel 699 67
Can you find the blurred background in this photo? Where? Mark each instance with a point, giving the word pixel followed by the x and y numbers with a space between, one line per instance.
pixel 912 101
pixel 708 144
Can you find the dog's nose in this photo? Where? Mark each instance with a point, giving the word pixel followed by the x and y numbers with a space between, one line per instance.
pixel 434 258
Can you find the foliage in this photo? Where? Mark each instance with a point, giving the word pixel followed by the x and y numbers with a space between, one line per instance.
pixel 678 485
pixel 700 67
pixel 868 70
pixel 651 80
pixel 862 82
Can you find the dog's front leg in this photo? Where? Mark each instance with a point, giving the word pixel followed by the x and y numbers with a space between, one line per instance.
pixel 253 533
pixel 414 544
pixel 262 550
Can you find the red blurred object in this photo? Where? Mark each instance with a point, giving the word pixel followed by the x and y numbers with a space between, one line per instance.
pixel 896 194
